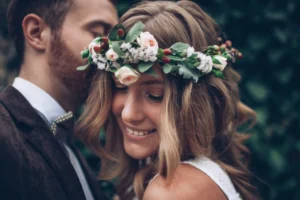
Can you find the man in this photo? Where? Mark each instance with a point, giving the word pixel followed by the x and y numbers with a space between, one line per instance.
pixel 38 162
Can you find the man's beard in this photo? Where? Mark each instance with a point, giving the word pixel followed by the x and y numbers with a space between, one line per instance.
pixel 63 64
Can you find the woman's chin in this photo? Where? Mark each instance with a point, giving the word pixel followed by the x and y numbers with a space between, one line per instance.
pixel 139 152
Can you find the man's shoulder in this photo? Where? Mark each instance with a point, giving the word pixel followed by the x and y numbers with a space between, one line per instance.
pixel 5 118
pixel 8 129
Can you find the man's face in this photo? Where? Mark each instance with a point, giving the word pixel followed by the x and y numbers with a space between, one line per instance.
pixel 85 21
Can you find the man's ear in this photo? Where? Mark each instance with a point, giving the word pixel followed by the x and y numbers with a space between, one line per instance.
pixel 36 32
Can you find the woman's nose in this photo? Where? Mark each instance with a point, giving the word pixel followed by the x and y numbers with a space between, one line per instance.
pixel 132 112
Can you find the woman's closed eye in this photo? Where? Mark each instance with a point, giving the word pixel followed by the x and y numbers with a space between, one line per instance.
pixel 154 97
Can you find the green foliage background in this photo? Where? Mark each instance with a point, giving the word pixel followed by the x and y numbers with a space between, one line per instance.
pixel 268 34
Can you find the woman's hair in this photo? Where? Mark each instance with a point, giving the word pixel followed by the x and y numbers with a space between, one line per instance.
pixel 196 118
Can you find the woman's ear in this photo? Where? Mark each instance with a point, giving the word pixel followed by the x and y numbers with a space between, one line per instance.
pixel 36 32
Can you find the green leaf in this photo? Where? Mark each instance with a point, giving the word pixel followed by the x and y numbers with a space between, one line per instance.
pixel 135 44
pixel 218 73
pixel 167 68
pixel 113 70
pixel 97 39
pixel 113 34
pixel 144 66
pixel 90 58
pixel 151 72
pixel 179 46
pixel 176 58
pixel 116 47
pixel 189 73
pixel 82 68
pixel 85 53
pixel 134 32
pixel 160 53
pixel 196 64
pixel 216 61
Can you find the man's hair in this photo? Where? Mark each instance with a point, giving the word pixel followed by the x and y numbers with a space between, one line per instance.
pixel 53 12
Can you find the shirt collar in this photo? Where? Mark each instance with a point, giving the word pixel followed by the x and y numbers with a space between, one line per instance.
pixel 39 99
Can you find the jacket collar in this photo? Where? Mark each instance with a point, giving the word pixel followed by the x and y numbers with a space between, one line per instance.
pixel 19 107
pixel 38 98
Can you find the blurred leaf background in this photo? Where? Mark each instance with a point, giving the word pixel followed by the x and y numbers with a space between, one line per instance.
pixel 268 34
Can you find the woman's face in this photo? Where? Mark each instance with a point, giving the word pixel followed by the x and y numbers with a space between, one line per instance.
pixel 136 109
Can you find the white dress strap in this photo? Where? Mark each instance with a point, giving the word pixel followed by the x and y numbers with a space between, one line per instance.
pixel 217 174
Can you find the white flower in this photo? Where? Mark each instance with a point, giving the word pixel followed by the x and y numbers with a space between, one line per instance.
pixel 146 40
pixel 101 65
pixel 222 60
pixel 116 65
pixel 134 55
pixel 100 61
pixel 111 55
pixel 190 51
pixel 125 46
pixel 206 63
pixel 151 54
pixel 126 75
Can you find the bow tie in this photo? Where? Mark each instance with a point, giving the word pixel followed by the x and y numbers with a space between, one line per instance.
pixel 62 126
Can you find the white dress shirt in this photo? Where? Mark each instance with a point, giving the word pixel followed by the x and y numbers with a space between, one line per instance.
pixel 50 109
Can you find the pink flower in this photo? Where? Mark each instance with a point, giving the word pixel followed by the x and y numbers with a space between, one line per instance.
pixel 146 40
pixel 222 60
pixel 111 55
pixel 126 75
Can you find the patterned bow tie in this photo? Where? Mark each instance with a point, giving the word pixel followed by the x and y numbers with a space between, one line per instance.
pixel 62 126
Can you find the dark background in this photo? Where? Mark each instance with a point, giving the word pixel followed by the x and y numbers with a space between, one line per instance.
pixel 267 32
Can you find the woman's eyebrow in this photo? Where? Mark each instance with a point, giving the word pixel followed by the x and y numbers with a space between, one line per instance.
pixel 152 82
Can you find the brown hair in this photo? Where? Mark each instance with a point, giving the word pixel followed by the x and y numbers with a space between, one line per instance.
pixel 52 11
pixel 198 118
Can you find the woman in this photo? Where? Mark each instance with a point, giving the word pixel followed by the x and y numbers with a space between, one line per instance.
pixel 169 115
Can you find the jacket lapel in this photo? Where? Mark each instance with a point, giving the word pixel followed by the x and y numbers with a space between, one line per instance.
pixel 38 134
pixel 94 185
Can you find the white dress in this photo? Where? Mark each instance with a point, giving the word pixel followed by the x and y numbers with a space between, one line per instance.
pixel 216 173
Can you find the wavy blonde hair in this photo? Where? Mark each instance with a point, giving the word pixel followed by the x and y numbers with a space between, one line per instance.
pixel 197 118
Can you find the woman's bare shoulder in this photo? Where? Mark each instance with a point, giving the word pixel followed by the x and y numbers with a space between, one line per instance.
pixel 187 183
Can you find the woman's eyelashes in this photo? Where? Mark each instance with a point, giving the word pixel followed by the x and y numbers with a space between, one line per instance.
pixel 158 98
pixel 153 96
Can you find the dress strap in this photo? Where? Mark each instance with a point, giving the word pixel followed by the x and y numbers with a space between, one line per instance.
pixel 217 174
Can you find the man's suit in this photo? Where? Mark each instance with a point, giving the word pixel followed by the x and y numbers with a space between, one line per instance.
pixel 33 163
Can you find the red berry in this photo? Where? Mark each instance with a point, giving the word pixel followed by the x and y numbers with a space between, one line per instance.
pixel 228 43
pixel 121 33
pixel 167 52
pixel 165 59
pixel 97 49
pixel 105 40
pixel 240 55
pixel 103 46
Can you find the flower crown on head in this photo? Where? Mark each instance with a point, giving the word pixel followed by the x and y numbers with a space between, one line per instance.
pixel 116 52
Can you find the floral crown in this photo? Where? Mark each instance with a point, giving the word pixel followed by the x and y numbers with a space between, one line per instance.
pixel 116 52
